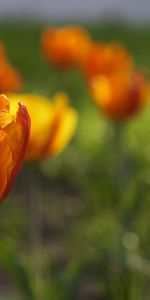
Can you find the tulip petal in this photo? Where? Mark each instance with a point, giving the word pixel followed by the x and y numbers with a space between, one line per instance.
pixel 53 124
pixel 64 126
pixel 13 143
pixel 42 114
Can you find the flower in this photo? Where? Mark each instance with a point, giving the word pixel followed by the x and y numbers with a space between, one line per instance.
pixel 65 47
pixel 104 59
pixel 14 136
pixel 120 95
pixel 10 79
pixel 52 126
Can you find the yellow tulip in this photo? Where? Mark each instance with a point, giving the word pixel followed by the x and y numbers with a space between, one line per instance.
pixel 53 124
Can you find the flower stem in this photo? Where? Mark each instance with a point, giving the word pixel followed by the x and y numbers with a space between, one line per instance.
pixel 35 209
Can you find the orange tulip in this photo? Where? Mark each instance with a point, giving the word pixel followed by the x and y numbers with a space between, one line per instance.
pixel 102 59
pixel 53 124
pixel 120 96
pixel 14 135
pixel 10 79
pixel 65 47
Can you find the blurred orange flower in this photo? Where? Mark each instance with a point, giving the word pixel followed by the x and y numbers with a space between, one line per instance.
pixel 104 59
pixel 14 136
pixel 10 79
pixel 120 95
pixel 65 47
pixel 53 124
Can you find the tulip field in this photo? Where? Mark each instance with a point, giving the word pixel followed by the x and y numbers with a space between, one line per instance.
pixel 74 162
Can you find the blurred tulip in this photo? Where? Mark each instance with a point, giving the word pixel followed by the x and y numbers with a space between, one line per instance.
pixel 10 79
pixel 65 47
pixel 120 96
pixel 14 136
pixel 52 126
pixel 102 59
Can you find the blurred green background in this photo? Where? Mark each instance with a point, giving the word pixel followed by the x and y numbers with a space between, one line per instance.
pixel 81 220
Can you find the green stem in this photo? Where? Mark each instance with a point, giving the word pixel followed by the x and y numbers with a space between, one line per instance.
pixel 119 160
pixel 35 217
